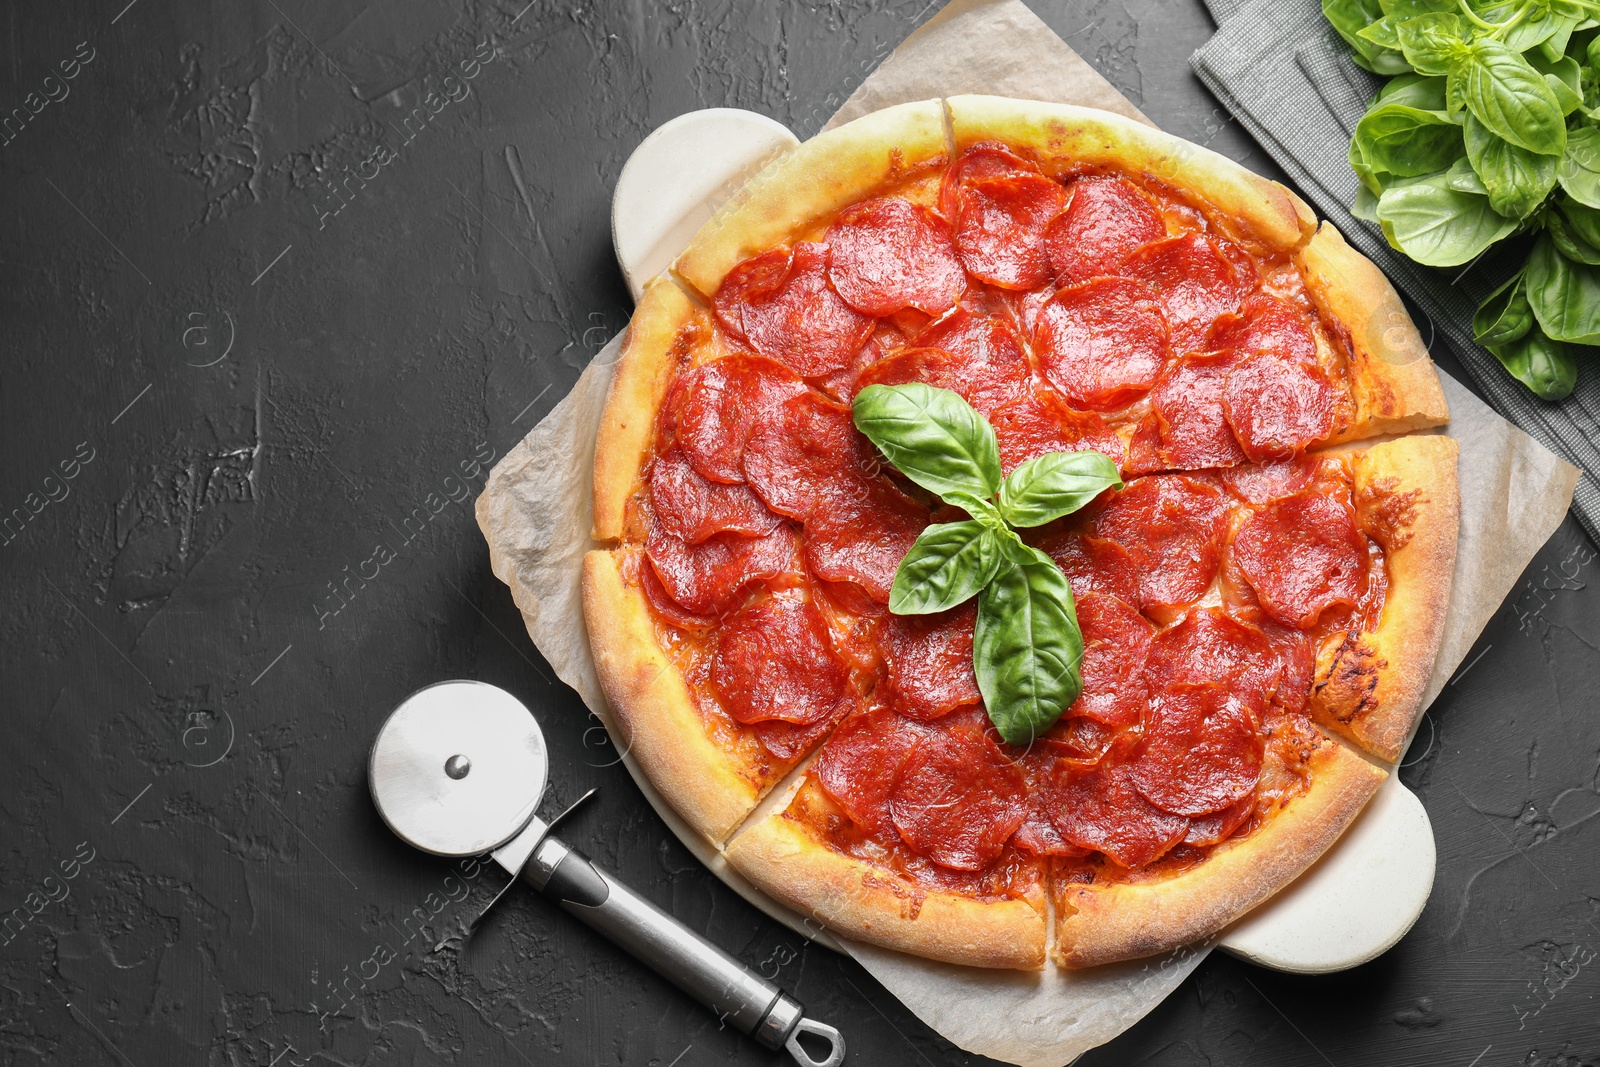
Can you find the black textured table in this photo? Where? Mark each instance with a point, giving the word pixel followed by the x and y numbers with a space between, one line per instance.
pixel 281 279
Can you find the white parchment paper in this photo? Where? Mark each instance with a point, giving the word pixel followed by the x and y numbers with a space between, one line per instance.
pixel 536 512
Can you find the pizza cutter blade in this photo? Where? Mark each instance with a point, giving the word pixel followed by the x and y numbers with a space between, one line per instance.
pixel 459 768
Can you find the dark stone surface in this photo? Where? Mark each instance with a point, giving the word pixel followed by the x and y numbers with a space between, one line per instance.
pixel 260 392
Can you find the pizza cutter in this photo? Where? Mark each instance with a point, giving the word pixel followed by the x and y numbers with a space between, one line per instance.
pixel 459 768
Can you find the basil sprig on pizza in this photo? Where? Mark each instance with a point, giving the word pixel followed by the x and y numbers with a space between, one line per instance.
pixel 1118 397
pixel 1027 644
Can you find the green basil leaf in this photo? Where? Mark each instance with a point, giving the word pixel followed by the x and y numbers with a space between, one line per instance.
pixel 1017 551
pixel 1504 317
pixel 1407 141
pixel 1365 206
pixel 1579 171
pixel 1565 296
pixel 1547 367
pixel 948 564
pixel 1055 484
pixel 1554 47
pixel 1540 25
pixel 1593 53
pixel 1564 77
pixel 1027 648
pixel 1431 43
pixel 1437 226
pixel 1400 10
pixel 1517 180
pixel 1348 18
pixel 1422 91
pixel 1507 95
pixel 1371 178
pixel 1496 13
pixel 1388 62
pixel 984 511
pixel 1567 241
pixel 1381 33
pixel 1584 220
pixel 932 436
pixel 1463 179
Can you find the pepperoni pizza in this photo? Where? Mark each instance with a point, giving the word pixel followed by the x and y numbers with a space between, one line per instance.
pixel 1260 603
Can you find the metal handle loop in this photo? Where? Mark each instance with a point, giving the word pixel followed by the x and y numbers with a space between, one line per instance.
pixel 834 1038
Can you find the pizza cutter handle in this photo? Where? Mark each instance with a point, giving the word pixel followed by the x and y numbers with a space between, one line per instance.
pixel 737 994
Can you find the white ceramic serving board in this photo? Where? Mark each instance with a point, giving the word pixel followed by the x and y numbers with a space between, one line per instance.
pixel 1354 903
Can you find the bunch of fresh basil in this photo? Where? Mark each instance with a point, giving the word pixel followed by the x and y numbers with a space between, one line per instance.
pixel 1028 645
pixel 1489 127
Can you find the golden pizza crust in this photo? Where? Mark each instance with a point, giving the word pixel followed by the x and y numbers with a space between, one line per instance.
pixel 813 182
pixel 1258 214
pixel 1098 924
pixel 713 786
pixel 783 856
pixel 666 327
pixel 1369 687
pixel 1392 379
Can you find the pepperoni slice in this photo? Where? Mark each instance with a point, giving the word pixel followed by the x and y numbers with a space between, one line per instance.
pixel 693 508
pixel 808 455
pixel 773 661
pixel 980 162
pixel 1116 639
pixel 791 740
pixel 958 799
pixel 1079 738
pixel 1303 554
pixel 843 384
pixel 1298 657
pixel 1196 282
pixel 1107 219
pixel 1099 808
pixel 1270 325
pixel 889 254
pixel 663 604
pixel 1259 483
pixel 1000 225
pixel 1037 423
pixel 1201 751
pixel 864 539
pixel 716 405
pixel 983 385
pixel 1144 447
pixel 1093 565
pixel 1278 406
pixel 928 660
pixel 1171 524
pixel 848 604
pixel 858 765
pixel 1208 646
pixel 1245 268
pixel 978 336
pixel 1103 342
pixel 794 317
pixel 757 277
pixel 705 579
pixel 1037 835
pixel 1218 826
pixel 1192 427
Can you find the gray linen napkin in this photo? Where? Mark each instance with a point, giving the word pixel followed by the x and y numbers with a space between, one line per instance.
pixel 1288 79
